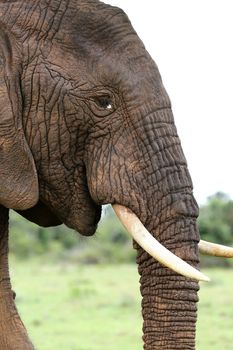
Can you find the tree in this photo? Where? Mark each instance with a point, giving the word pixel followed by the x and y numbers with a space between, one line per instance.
pixel 216 219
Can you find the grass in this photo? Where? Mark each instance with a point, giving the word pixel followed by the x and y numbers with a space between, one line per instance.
pixel 215 317
pixel 79 307
pixel 66 306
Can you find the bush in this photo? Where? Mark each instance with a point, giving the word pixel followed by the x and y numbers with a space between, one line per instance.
pixel 216 219
pixel 216 225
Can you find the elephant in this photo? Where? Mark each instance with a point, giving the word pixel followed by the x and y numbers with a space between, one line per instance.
pixel 85 121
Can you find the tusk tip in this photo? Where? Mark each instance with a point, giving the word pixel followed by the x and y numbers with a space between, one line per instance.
pixel 205 278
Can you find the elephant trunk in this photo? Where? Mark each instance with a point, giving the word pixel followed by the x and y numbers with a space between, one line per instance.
pixel 169 299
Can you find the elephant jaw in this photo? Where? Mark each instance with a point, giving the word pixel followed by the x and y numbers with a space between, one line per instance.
pixel 159 252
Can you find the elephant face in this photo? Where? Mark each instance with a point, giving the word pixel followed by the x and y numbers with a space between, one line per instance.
pixel 98 121
pixel 95 125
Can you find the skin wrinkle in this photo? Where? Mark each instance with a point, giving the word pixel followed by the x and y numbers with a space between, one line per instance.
pixel 31 84
pixel 52 108
pixel 138 136
pixel 158 172
pixel 16 159
pixel 148 147
pixel 56 29
pixel 161 154
pixel 29 15
pixel 167 218
pixel 167 314
pixel 160 196
pixel 163 282
pixel 118 181
pixel 169 225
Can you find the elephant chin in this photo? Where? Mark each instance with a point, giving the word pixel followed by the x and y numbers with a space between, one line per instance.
pixel 83 221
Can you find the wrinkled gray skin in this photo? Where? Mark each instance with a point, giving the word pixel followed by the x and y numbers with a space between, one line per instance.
pixel 85 121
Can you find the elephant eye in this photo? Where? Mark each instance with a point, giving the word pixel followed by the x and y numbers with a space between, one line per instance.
pixel 104 102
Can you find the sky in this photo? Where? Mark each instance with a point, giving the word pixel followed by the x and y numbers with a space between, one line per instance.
pixel 192 44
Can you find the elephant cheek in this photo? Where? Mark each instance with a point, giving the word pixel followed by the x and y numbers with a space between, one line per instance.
pixel 83 213
pixel 99 184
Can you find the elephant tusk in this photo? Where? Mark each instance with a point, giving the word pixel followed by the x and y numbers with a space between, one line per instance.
pixel 214 249
pixel 153 247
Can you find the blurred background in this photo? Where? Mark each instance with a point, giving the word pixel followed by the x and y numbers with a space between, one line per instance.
pixel 111 244
pixel 81 293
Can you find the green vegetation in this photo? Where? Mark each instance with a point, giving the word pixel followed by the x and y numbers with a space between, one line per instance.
pixel 111 243
pixel 216 219
pixel 216 225
pixel 97 307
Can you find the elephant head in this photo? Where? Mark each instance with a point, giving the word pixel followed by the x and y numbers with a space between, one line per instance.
pixel 85 121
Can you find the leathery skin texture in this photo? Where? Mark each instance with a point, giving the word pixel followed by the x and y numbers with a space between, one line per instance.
pixel 85 121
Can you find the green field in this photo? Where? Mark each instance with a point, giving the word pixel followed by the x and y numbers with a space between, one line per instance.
pixel 73 307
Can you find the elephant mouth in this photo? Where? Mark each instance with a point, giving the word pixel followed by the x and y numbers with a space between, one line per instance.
pixel 85 219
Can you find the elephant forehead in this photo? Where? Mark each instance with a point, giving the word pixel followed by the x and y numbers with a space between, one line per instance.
pixel 95 23
pixel 71 23
pixel 82 38
pixel 104 36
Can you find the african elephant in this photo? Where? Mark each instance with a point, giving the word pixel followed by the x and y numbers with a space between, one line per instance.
pixel 85 121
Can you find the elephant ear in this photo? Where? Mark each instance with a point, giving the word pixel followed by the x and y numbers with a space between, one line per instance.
pixel 18 177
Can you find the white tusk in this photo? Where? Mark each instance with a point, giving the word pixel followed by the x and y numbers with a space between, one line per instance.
pixel 214 249
pixel 153 247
